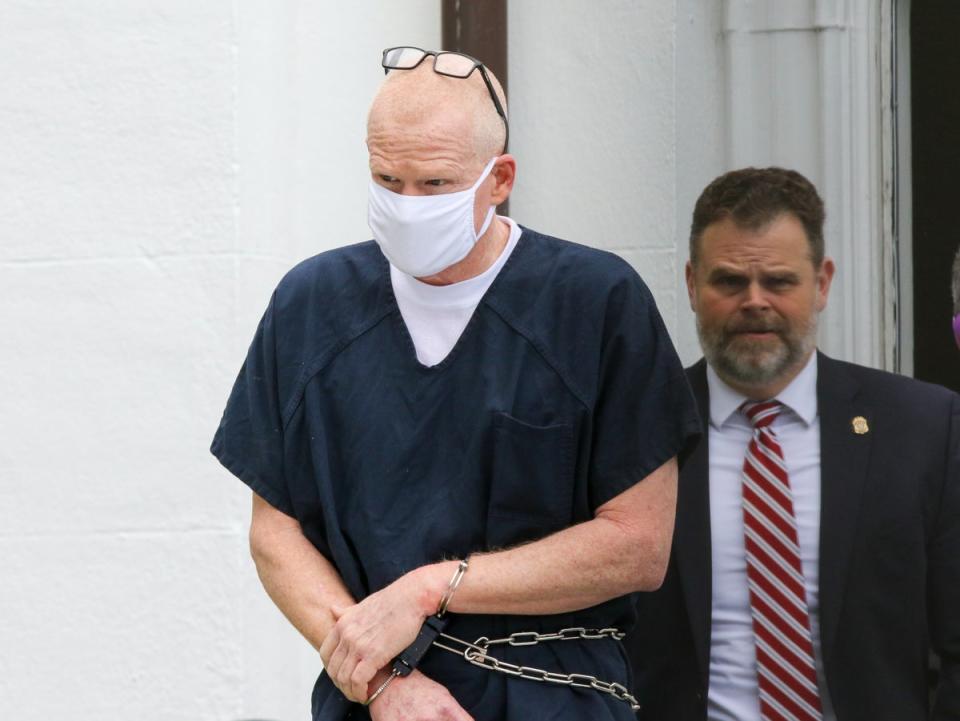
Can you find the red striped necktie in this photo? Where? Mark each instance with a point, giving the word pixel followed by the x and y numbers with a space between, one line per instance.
pixel 786 674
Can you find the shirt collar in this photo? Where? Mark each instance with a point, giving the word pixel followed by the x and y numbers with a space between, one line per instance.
pixel 800 396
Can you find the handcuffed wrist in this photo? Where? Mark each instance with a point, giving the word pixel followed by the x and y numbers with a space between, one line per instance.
pixel 452 586
pixel 381 688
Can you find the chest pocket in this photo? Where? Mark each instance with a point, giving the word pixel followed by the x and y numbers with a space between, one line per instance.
pixel 531 489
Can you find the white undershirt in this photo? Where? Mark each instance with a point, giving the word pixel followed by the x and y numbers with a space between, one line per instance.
pixel 436 315
pixel 733 692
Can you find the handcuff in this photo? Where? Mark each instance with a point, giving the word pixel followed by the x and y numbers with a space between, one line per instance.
pixel 477 653
pixel 408 660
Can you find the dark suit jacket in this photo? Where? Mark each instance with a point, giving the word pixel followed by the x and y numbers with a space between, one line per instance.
pixel 889 557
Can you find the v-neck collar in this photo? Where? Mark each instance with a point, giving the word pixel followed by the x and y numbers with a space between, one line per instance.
pixel 510 263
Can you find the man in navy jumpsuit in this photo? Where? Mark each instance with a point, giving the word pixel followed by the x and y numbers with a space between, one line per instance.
pixel 459 387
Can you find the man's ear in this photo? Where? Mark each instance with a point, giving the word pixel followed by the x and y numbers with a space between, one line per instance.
pixel 691 286
pixel 504 173
pixel 824 279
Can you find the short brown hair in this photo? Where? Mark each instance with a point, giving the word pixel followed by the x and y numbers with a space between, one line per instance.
pixel 752 197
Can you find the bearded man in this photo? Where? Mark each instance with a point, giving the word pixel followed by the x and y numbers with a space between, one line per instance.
pixel 816 552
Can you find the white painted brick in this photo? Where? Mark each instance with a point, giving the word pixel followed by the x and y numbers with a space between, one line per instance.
pixel 117 127
pixel 118 375
pixel 592 103
pixel 113 627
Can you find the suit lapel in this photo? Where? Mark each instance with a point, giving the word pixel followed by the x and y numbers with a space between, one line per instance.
pixel 844 455
pixel 692 532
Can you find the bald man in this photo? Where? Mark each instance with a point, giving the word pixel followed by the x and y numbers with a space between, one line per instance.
pixel 461 422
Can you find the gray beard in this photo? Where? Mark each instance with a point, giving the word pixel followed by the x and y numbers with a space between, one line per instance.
pixel 751 364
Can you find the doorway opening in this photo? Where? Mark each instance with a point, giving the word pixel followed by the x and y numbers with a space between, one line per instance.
pixel 935 167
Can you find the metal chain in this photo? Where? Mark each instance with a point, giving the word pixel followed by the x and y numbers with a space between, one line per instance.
pixel 476 653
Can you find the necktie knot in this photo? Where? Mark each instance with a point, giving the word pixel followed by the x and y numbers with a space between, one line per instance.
pixel 761 413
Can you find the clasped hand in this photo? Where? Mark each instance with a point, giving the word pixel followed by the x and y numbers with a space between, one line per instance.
pixel 367 636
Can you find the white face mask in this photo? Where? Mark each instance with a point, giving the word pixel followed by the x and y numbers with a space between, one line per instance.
pixel 424 234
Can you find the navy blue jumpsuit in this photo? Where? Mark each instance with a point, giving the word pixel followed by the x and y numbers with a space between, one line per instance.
pixel 563 391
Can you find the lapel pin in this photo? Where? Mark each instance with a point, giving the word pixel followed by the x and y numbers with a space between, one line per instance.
pixel 860 425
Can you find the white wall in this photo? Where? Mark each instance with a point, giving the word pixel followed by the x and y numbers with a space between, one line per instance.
pixel 121 548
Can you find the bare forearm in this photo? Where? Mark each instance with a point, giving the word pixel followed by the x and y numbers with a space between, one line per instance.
pixel 570 570
pixel 624 549
pixel 300 581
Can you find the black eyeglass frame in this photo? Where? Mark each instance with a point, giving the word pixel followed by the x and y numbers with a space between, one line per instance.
pixel 476 64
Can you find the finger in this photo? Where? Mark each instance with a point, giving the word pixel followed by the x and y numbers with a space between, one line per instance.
pixel 343 676
pixel 348 654
pixel 360 679
pixel 328 645
pixel 338 611
pixel 336 661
